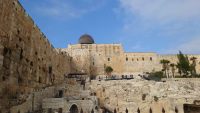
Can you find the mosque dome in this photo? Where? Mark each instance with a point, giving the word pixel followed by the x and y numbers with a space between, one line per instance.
pixel 86 39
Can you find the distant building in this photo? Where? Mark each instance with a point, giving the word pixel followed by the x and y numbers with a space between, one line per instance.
pixel 93 58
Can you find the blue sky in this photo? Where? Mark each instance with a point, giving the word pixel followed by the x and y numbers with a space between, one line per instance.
pixel 162 26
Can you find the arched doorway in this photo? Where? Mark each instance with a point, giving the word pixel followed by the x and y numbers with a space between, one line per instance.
pixel 73 109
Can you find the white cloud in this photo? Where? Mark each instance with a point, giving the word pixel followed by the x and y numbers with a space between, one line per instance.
pixel 190 47
pixel 60 10
pixel 163 10
pixel 174 23
pixel 65 9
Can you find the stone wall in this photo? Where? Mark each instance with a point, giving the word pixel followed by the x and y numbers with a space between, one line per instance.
pixel 27 59
pixel 140 62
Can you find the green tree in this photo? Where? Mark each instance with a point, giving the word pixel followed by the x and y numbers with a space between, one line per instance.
pixel 108 70
pixel 183 64
pixel 172 65
pixel 165 65
pixel 193 65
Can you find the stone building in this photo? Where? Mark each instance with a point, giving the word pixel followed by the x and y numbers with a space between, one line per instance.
pixel 92 58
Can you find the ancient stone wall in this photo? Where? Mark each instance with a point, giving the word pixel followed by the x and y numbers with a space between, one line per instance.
pixel 27 59
pixel 34 101
pixel 142 94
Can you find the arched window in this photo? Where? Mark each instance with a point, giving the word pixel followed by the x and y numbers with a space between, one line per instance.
pixel 73 109
pixel 143 58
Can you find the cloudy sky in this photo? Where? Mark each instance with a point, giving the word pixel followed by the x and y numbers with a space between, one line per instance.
pixel 162 26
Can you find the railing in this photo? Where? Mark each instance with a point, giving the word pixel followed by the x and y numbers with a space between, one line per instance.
pixel 114 77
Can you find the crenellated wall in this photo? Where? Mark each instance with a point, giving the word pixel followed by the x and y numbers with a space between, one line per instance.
pixel 27 59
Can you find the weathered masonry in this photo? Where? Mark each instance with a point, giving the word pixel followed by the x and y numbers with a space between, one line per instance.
pixel 27 59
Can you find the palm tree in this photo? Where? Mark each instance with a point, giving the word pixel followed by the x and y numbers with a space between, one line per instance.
pixel 193 65
pixel 165 65
pixel 172 65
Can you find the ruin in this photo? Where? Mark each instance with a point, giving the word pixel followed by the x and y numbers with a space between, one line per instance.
pixel 35 77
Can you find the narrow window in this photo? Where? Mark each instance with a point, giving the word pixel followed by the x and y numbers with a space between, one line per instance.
pixel 176 110
pixel 150 110
pixel 151 59
pixel 20 39
pixel 21 54
pixel 163 110
pixel 143 58
pixel 3 78
pixel 108 59
pixel 5 51
pixel 31 63
pixel 50 69
pixel 40 80
pixel 126 58
pixel 138 110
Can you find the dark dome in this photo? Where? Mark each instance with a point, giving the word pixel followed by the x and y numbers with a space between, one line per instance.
pixel 86 39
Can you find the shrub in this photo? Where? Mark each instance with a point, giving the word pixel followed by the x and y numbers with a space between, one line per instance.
pixel 144 97
pixel 155 98
pixel 157 76
pixel 108 70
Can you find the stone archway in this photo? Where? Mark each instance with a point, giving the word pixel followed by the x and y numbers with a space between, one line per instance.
pixel 74 109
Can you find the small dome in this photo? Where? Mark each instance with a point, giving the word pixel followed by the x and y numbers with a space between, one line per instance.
pixel 86 39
